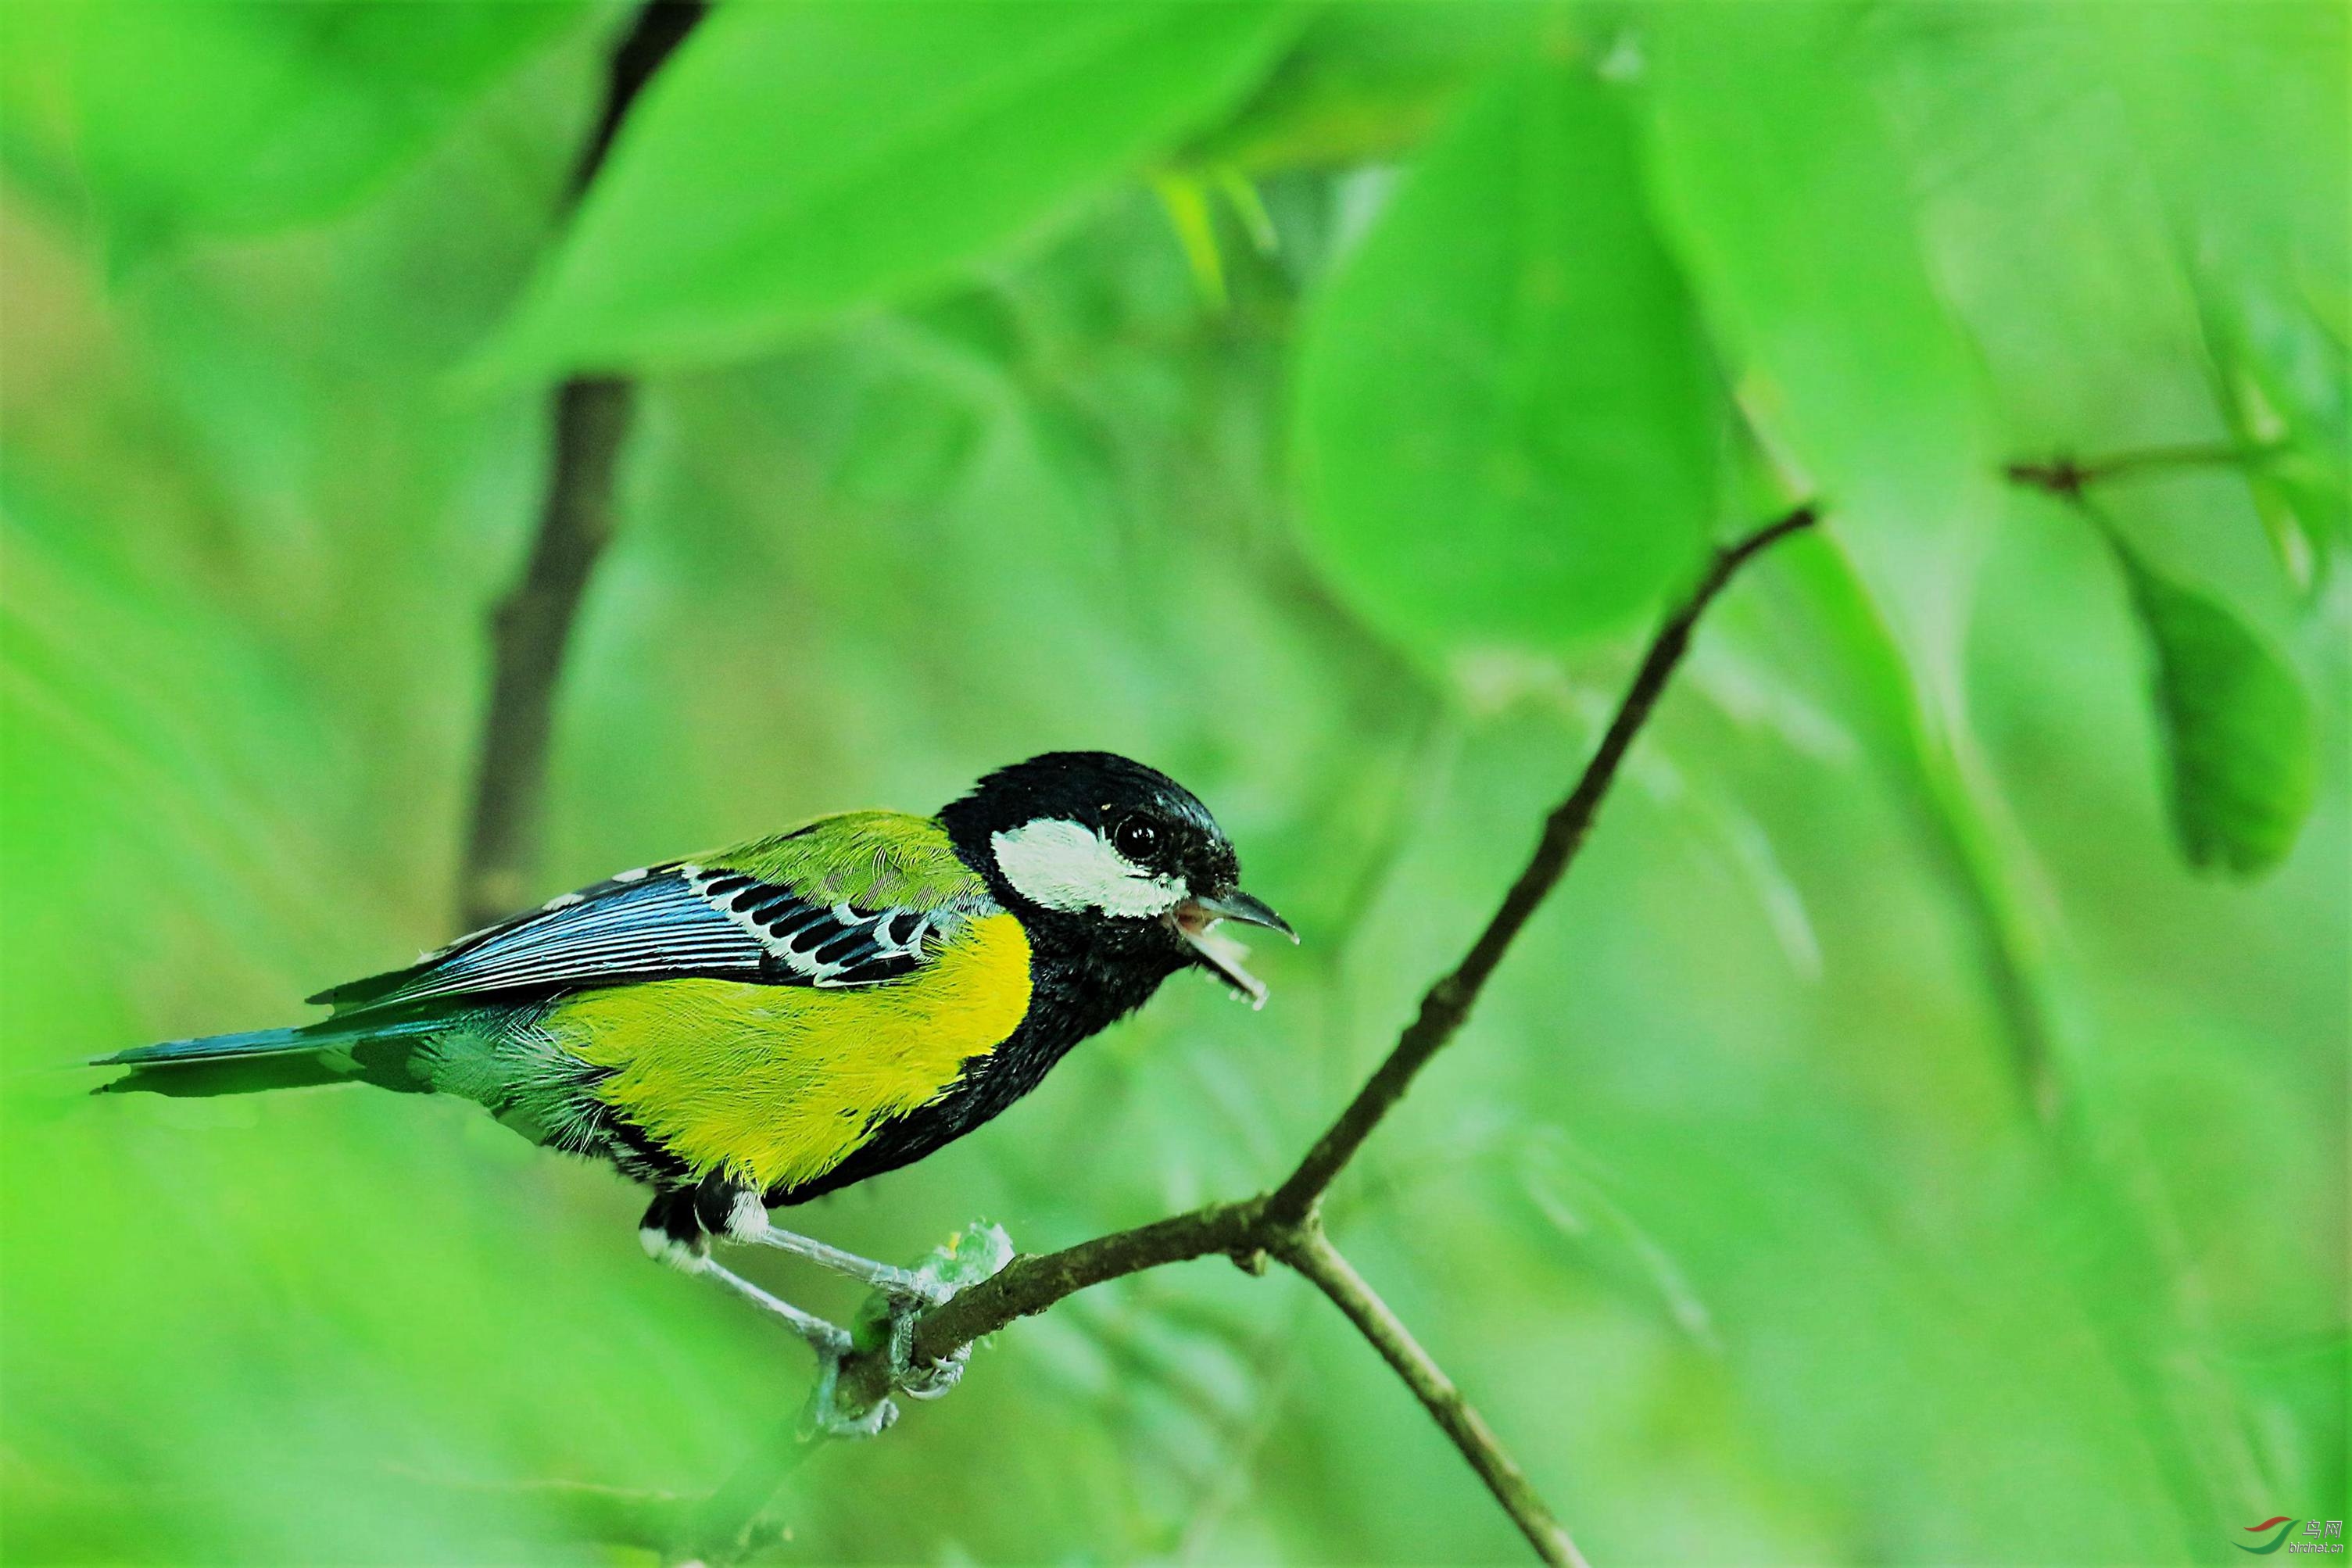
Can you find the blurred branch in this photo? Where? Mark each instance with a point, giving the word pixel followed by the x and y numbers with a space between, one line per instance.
pixel 731 1523
pixel 528 633
pixel 1284 1224
pixel 2068 477
pixel 612 1515
pixel 531 625
pixel 501 1519
pixel 659 27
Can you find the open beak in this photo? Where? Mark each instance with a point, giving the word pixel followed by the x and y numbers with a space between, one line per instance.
pixel 1195 921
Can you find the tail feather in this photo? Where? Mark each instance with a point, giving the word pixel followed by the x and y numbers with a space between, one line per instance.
pixel 218 1048
pixel 326 1052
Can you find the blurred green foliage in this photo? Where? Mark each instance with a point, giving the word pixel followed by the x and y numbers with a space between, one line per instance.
pixel 1311 403
pixel 193 121
pixel 803 160
pixel 1507 423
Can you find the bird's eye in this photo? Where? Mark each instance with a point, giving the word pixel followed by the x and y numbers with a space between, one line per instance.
pixel 1136 838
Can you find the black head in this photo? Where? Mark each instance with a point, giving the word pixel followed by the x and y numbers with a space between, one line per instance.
pixel 1102 854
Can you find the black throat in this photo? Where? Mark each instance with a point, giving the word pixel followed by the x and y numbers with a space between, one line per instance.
pixel 1083 977
pixel 1084 972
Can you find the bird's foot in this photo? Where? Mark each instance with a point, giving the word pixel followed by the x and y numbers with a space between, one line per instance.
pixel 888 1321
pixel 826 1415
pixel 886 1324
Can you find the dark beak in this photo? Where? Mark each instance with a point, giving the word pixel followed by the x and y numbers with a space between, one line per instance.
pixel 1237 905
pixel 1195 921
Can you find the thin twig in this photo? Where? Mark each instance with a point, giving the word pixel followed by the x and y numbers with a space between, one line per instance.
pixel 1448 1003
pixel 614 1516
pixel 2069 477
pixel 1284 1223
pixel 1310 1252
pixel 534 622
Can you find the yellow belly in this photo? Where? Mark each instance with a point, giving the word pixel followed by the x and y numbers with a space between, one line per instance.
pixel 780 1083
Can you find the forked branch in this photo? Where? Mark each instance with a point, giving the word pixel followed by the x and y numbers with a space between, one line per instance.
pixel 2067 477
pixel 531 629
pixel 1284 1224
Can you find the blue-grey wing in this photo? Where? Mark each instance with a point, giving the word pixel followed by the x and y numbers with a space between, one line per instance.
pixel 670 922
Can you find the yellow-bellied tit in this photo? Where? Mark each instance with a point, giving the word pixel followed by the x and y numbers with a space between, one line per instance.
pixel 749 1028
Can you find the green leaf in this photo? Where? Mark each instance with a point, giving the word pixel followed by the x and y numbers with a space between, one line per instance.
pixel 1367 81
pixel 1787 198
pixel 1855 656
pixel 795 162
pixel 205 118
pixel 2237 729
pixel 1506 411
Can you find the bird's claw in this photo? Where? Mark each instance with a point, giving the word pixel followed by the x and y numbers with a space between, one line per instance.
pixel 919 1379
pixel 886 1325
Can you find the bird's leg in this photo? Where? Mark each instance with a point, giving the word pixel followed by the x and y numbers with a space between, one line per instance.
pixel 738 1213
pixel 680 1225
pixel 899 1284
pixel 828 1340
pixel 831 1344
pixel 672 1233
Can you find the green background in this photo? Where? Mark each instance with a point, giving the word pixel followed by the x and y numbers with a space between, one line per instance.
pixel 1888 1145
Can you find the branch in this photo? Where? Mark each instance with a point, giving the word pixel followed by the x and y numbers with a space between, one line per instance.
pixel 2067 477
pixel 1029 1285
pixel 660 27
pixel 529 630
pixel 1448 1005
pixel 528 633
pixel 1284 1224
pixel 531 625
pixel 1310 1252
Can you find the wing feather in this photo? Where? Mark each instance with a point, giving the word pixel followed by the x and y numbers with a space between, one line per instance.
pixel 658 925
pixel 788 927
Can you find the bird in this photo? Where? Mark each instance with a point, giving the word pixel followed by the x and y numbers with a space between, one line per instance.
pixel 751 1028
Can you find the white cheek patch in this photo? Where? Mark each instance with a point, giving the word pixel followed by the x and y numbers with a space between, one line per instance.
pixel 1069 865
